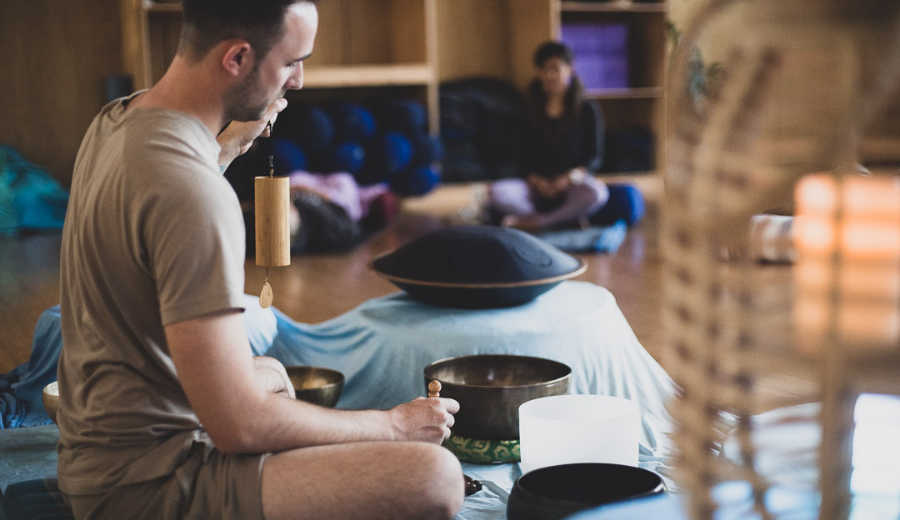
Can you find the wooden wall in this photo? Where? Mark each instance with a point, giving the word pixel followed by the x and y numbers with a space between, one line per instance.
pixel 473 38
pixel 57 56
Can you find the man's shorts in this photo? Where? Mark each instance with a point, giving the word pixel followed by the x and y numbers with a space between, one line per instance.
pixel 225 487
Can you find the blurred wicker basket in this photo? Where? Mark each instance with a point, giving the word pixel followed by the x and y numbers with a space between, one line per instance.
pixel 802 81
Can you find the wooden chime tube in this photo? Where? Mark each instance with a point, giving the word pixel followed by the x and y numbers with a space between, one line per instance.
pixel 273 221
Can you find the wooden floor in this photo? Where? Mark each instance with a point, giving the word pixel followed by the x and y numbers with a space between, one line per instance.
pixel 316 288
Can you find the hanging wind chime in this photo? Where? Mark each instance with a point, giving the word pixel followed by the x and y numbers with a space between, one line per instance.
pixel 273 224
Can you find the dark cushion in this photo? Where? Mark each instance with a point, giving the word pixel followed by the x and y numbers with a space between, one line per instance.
pixel 325 227
pixel 416 181
pixel 352 122
pixel 348 156
pixel 477 267
pixel 625 203
pixel 309 126
pixel 407 116
pixel 288 157
pixel 35 500
pixel 483 122
pixel 629 150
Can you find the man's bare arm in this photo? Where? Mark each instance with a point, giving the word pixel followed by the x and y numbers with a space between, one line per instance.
pixel 219 376
pixel 272 377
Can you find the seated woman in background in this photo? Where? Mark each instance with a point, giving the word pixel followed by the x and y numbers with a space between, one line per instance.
pixel 563 146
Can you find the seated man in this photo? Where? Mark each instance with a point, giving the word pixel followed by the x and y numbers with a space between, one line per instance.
pixel 165 413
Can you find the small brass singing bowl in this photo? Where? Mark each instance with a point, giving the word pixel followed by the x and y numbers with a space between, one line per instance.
pixel 50 397
pixel 317 385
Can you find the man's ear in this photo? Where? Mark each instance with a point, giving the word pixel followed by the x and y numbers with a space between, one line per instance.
pixel 238 58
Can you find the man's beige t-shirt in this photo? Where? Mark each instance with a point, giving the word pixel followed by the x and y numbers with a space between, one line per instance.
pixel 153 236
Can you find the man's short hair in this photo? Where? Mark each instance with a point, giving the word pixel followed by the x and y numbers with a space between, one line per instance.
pixel 205 23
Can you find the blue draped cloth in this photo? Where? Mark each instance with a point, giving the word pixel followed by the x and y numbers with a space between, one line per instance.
pixel 601 239
pixel 21 389
pixel 383 346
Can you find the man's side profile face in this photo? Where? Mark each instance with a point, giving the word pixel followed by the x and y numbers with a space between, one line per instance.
pixel 280 70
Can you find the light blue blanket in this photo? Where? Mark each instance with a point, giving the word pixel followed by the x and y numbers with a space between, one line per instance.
pixel 383 346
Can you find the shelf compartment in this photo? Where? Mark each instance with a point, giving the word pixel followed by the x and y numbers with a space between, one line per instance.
pixel 367 76
pixel 646 36
pixel 613 7
pixel 624 93
pixel 162 7
pixel 386 39
pixel 374 32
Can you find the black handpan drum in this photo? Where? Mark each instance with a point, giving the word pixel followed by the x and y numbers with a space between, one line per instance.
pixel 477 267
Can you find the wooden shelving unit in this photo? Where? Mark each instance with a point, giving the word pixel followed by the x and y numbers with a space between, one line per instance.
pixel 363 47
pixel 368 76
pixel 626 93
pixel 613 7
pixel 881 140
pixel 641 104
pixel 498 38
pixel 407 47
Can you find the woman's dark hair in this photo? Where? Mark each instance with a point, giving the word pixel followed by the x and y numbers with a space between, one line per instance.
pixel 551 49
pixel 537 98
pixel 208 22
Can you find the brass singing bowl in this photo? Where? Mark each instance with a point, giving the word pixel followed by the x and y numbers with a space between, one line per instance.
pixel 317 385
pixel 490 389
pixel 50 397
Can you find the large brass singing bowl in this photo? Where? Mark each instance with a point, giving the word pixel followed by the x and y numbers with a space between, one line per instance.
pixel 317 385
pixel 490 389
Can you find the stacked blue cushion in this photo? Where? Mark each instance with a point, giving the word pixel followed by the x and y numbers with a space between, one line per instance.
pixel 391 153
pixel 288 156
pixel 347 156
pixel 352 122
pixel 385 143
pixel 35 500
pixel 416 181
pixel 401 115
pixel 427 149
pixel 308 126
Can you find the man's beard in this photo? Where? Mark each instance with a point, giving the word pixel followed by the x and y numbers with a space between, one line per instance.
pixel 242 101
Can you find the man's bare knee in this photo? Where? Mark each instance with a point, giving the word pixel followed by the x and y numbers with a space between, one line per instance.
pixel 443 486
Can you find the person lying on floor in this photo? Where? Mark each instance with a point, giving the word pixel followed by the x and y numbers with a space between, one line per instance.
pixel 165 413
pixel 562 148
pixel 330 213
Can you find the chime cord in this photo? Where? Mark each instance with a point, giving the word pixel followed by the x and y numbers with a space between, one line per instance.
pixel 271 174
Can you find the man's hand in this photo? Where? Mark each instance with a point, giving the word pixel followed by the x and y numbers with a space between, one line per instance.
pixel 272 377
pixel 237 137
pixel 422 419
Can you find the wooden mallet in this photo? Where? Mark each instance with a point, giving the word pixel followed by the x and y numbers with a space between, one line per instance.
pixel 434 388
pixel 472 486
